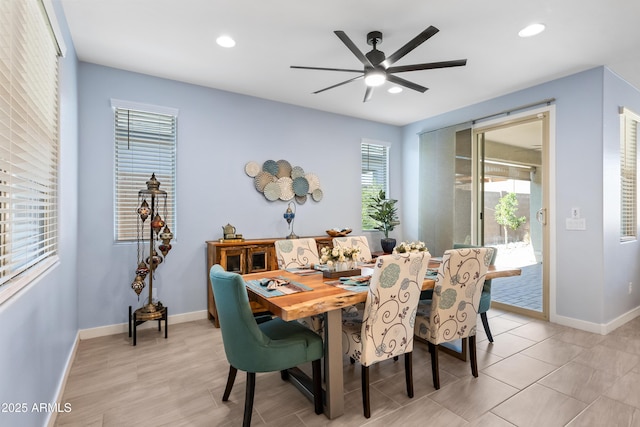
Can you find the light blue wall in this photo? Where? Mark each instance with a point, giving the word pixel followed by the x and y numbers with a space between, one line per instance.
pixel 218 133
pixel 39 325
pixel 587 164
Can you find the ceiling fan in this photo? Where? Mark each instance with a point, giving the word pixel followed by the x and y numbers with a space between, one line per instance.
pixel 377 67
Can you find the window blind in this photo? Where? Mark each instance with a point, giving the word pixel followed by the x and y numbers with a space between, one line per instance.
pixel 28 138
pixel 628 174
pixel 145 143
pixel 373 178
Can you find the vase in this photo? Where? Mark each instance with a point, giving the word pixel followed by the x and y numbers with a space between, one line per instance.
pixel 341 266
pixel 388 244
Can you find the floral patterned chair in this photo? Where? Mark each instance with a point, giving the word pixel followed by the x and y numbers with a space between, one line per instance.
pixel 296 253
pixel 300 253
pixel 386 327
pixel 359 242
pixel 453 311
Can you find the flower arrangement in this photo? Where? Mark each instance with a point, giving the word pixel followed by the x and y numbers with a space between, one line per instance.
pixel 338 254
pixel 405 247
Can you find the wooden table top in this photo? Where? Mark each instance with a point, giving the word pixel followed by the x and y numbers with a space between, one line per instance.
pixel 326 297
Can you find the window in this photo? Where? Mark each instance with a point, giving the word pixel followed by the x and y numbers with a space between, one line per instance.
pixel 628 174
pixel 29 111
pixel 145 144
pixel 373 178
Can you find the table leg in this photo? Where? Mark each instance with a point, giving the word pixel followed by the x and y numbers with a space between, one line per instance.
pixel 334 371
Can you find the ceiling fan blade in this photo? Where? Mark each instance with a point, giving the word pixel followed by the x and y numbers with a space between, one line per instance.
pixel 326 69
pixel 412 44
pixel 427 66
pixel 339 84
pixel 353 48
pixel 368 93
pixel 406 83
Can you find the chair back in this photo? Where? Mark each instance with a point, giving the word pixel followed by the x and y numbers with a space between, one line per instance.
pixel 485 299
pixel 243 339
pixel 390 309
pixel 456 296
pixel 296 253
pixel 359 242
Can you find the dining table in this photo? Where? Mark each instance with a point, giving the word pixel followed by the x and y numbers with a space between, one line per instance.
pixel 324 296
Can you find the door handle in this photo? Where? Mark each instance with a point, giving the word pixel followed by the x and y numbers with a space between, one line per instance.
pixel 541 216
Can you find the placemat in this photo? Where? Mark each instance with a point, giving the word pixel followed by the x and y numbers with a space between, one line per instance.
pixel 291 287
pixel 352 288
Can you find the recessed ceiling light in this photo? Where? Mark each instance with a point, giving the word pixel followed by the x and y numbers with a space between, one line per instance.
pixel 395 89
pixel 226 41
pixel 531 30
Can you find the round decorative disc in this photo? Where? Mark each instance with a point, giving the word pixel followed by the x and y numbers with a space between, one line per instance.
pixel 314 181
pixel 301 199
pixel 270 166
pixel 300 186
pixel 252 169
pixel 284 168
pixel 297 172
pixel 262 179
pixel 316 194
pixel 272 191
pixel 286 188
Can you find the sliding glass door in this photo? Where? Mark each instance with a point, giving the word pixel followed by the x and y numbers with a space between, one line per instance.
pixel 511 199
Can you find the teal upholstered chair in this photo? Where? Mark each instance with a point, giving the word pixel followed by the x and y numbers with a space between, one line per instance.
pixel 485 299
pixel 453 312
pixel 385 329
pixel 271 346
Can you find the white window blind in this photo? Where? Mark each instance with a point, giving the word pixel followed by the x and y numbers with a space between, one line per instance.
pixel 145 143
pixel 28 142
pixel 373 178
pixel 628 174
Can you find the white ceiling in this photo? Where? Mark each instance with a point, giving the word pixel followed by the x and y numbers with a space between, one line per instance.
pixel 175 39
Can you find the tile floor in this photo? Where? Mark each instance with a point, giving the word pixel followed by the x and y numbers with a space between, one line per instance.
pixel 534 374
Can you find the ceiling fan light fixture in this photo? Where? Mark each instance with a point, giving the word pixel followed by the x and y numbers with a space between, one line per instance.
pixel 375 77
pixel 225 41
pixel 531 30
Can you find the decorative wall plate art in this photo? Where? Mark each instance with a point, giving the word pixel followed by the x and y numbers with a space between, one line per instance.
pixel 279 180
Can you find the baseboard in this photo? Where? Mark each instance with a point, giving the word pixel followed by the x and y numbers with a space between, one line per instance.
pixel 597 328
pixel 63 383
pixel 102 331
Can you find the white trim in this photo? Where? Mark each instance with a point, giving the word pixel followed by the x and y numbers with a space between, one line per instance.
pixel 375 142
pixel 149 108
pixel 55 26
pixel 120 328
pixel 63 383
pixel 31 276
pixel 596 328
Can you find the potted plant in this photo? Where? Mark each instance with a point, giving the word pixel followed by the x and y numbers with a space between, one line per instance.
pixel 385 213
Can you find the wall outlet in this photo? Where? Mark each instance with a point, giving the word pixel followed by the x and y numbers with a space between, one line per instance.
pixel 630 287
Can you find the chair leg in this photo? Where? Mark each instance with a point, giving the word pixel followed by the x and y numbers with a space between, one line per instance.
pixel 317 385
pixel 366 406
pixel 433 349
pixel 248 399
pixel 485 323
pixel 408 372
pixel 473 356
pixel 230 380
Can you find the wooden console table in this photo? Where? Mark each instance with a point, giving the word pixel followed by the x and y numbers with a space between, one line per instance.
pixel 248 256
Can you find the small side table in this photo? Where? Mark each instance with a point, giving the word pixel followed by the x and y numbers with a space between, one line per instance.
pixel 140 316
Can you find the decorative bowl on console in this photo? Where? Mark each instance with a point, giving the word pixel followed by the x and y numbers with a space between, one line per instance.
pixel 334 232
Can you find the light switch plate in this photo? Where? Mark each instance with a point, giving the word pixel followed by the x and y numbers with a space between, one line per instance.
pixel 576 224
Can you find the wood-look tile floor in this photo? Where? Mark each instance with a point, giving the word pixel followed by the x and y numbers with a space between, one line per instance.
pixel 534 374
